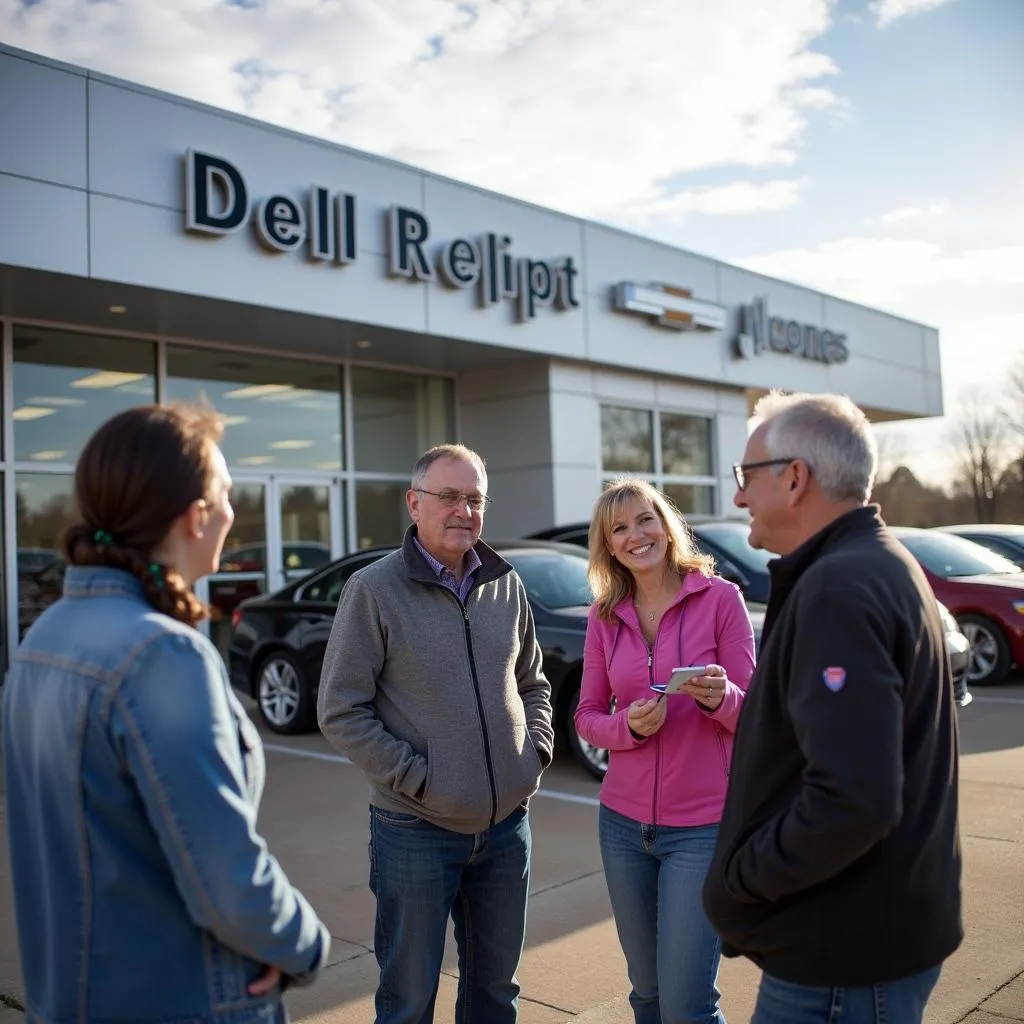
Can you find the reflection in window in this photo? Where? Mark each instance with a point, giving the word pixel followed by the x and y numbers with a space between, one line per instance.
pixel 66 385
pixel 692 499
pixel 381 514
pixel 280 413
pixel 685 445
pixel 397 417
pixel 45 505
pixel 627 444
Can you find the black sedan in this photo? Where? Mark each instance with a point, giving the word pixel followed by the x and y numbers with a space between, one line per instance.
pixel 278 640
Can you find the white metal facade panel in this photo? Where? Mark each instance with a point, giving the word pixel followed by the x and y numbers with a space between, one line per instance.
pixel 42 122
pixel 44 227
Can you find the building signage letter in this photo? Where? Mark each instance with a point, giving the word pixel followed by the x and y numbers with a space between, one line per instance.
pixel 207 180
pixel 759 332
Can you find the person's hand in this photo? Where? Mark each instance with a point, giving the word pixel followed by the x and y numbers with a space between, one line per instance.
pixel 708 689
pixel 268 980
pixel 646 717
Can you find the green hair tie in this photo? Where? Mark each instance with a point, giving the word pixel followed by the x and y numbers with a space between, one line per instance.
pixel 156 570
pixel 103 538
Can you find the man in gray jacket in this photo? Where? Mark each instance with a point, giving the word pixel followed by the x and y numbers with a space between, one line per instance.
pixel 432 685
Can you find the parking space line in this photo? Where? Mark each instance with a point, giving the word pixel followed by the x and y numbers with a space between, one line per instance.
pixel 1019 701
pixel 315 755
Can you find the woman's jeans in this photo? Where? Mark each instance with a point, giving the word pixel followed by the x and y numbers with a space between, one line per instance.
pixel 420 875
pixel 891 1002
pixel 655 875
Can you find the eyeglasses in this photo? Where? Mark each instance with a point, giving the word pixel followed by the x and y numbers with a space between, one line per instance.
pixel 453 498
pixel 741 472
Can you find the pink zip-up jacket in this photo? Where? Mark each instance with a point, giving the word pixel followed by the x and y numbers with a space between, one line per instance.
pixel 678 776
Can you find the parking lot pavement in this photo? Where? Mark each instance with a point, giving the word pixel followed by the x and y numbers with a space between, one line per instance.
pixel 315 819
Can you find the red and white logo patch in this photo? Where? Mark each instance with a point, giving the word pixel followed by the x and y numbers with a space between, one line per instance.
pixel 834 677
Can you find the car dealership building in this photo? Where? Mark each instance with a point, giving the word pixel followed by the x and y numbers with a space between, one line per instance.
pixel 346 312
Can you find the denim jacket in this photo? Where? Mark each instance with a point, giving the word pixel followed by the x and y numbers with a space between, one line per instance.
pixel 143 890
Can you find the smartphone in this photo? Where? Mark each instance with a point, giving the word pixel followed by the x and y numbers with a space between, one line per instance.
pixel 678 677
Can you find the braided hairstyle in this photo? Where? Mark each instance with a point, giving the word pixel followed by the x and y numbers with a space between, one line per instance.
pixel 137 474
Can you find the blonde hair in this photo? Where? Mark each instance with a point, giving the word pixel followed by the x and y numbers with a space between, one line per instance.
pixel 609 579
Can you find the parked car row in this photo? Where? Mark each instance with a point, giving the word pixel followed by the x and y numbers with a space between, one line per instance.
pixel 278 639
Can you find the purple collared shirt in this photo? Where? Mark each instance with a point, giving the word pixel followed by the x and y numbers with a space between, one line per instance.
pixel 447 577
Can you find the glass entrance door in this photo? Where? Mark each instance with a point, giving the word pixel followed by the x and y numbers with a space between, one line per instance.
pixel 284 528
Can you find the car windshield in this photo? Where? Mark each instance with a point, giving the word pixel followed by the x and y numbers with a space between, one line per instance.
pixel 948 556
pixel 734 540
pixel 551 578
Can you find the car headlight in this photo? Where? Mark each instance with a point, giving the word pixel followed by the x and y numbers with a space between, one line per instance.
pixel 949 624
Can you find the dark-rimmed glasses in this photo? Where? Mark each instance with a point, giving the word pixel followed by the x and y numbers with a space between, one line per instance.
pixel 451 498
pixel 741 471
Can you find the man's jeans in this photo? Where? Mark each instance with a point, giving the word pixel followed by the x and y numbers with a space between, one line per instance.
pixel 420 874
pixel 655 875
pixel 890 1002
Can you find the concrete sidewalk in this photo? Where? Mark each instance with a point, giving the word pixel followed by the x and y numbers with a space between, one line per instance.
pixel 572 970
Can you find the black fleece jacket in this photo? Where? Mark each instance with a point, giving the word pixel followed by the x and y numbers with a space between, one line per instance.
pixel 838 858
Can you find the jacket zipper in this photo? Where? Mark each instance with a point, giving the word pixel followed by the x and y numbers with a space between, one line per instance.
pixel 657 737
pixel 480 710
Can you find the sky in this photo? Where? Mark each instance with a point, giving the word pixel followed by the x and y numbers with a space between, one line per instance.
pixel 873 149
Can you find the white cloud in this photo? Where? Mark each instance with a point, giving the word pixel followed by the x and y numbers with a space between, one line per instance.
pixel 927 211
pixel 584 105
pixel 887 11
pixel 737 197
pixel 891 271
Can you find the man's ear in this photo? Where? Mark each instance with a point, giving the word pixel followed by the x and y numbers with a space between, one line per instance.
pixel 412 503
pixel 799 476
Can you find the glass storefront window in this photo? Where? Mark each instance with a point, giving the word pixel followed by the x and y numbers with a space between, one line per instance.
pixel 65 385
pixel 45 505
pixel 398 416
pixel 627 440
pixel 692 499
pixel 381 513
pixel 280 413
pixel 685 445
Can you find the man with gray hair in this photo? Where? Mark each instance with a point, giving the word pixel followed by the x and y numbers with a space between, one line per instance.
pixel 837 869
pixel 433 686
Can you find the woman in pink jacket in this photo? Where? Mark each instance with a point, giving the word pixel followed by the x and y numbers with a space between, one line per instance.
pixel 659 606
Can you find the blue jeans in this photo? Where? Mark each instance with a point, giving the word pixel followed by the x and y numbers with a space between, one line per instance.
pixel 420 874
pixel 890 1002
pixel 655 875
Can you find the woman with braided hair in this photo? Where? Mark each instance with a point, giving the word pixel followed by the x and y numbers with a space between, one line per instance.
pixel 143 890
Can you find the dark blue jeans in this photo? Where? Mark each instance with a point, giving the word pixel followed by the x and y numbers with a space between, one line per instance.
pixel 655 875
pixel 891 1002
pixel 420 875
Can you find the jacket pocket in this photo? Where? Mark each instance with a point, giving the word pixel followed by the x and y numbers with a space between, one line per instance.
pixel 458 786
pixel 517 769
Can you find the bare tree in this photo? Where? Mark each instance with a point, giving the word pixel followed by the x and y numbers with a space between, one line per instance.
pixel 892 450
pixel 1015 394
pixel 979 442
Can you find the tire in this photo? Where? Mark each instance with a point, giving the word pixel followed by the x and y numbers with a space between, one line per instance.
pixel 990 650
pixel 593 759
pixel 283 696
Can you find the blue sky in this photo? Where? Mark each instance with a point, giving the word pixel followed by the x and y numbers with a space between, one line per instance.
pixel 870 148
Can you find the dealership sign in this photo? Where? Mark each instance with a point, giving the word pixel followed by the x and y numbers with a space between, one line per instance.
pixel 760 333
pixel 217 202
pixel 669 306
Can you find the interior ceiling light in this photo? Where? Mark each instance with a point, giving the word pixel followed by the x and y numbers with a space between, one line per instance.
pixel 117 309
pixel 363 343
pixel 47 456
pixel 47 400
pixel 255 460
pixel 258 390
pixel 107 379
pixel 291 445
pixel 235 421
pixel 31 412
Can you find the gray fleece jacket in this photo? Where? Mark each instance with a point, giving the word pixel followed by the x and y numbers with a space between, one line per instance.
pixel 443 706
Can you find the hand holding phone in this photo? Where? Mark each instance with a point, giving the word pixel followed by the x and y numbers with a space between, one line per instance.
pixel 679 677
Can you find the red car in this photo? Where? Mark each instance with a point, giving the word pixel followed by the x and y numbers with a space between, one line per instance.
pixel 983 590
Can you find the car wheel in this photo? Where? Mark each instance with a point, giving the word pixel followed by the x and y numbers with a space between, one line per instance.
pixel 593 759
pixel 990 651
pixel 284 699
